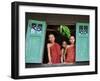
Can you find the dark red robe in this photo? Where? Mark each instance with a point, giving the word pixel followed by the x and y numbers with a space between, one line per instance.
pixel 70 55
pixel 55 53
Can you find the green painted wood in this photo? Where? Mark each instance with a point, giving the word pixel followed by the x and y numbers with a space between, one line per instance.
pixel 82 41
pixel 34 44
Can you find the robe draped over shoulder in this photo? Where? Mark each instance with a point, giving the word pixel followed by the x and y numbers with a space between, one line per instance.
pixel 70 55
pixel 55 53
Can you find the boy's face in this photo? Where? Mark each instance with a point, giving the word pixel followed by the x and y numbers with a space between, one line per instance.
pixel 72 39
pixel 64 44
pixel 51 38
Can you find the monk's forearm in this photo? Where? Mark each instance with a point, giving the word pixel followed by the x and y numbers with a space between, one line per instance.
pixel 49 57
pixel 62 56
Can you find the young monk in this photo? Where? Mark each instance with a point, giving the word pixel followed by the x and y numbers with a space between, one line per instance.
pixel 70 55
pixel 53 49
pixel 63 51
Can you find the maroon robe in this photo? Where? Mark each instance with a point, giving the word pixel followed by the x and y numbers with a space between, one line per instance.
pixel 55 53
pixel 70 55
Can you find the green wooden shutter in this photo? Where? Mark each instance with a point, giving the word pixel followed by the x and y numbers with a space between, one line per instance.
pixel 34 43
pixel 82 42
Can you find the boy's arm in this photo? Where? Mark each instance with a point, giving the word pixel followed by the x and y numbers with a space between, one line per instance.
pixel 49 55
pixel 62 55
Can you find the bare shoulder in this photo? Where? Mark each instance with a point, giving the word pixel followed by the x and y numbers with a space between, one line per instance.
pixel 48 45
pixel 62 49
pixel 68 46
